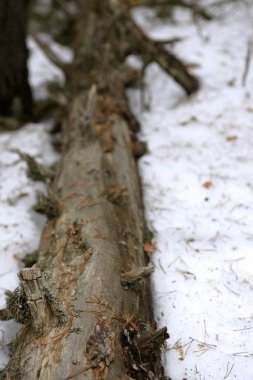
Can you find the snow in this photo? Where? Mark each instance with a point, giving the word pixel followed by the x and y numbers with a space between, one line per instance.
pixel 197 181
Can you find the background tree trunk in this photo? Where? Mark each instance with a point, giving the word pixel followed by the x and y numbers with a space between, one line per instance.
pixel 15 94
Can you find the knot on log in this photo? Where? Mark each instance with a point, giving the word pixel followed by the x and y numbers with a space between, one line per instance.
pixel 101 345
pixel 48 205
pixel 132 278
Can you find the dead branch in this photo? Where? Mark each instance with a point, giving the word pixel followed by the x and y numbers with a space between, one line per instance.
pixel 150 52
pixel 36 171
pixel 47 50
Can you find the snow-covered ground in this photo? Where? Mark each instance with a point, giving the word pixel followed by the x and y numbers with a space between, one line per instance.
pixel 198 191
pixel 198 184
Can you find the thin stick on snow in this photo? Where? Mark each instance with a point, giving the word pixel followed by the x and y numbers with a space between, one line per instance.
pixel 162 268
pixel 247 62
pixel 243 354
pixel 189 345
pixel 229 370
pixel 205 331
pixel 245 328
pixel 204 344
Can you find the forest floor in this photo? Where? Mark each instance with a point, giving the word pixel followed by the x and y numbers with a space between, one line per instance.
pixel 197 184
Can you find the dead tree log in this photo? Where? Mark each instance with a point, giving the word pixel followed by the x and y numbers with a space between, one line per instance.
pixel 91 255
pixel 85 307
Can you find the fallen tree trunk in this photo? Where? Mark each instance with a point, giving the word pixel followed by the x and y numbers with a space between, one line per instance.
pixel 88 253
pixel 85 307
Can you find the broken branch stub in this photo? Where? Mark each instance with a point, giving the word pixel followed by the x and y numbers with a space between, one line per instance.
pixel 48 205
pixel 132 278
pixel 32 283
pixel 32 304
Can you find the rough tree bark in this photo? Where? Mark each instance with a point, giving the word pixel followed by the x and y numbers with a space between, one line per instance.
pixel 85 307
pixel 15 93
